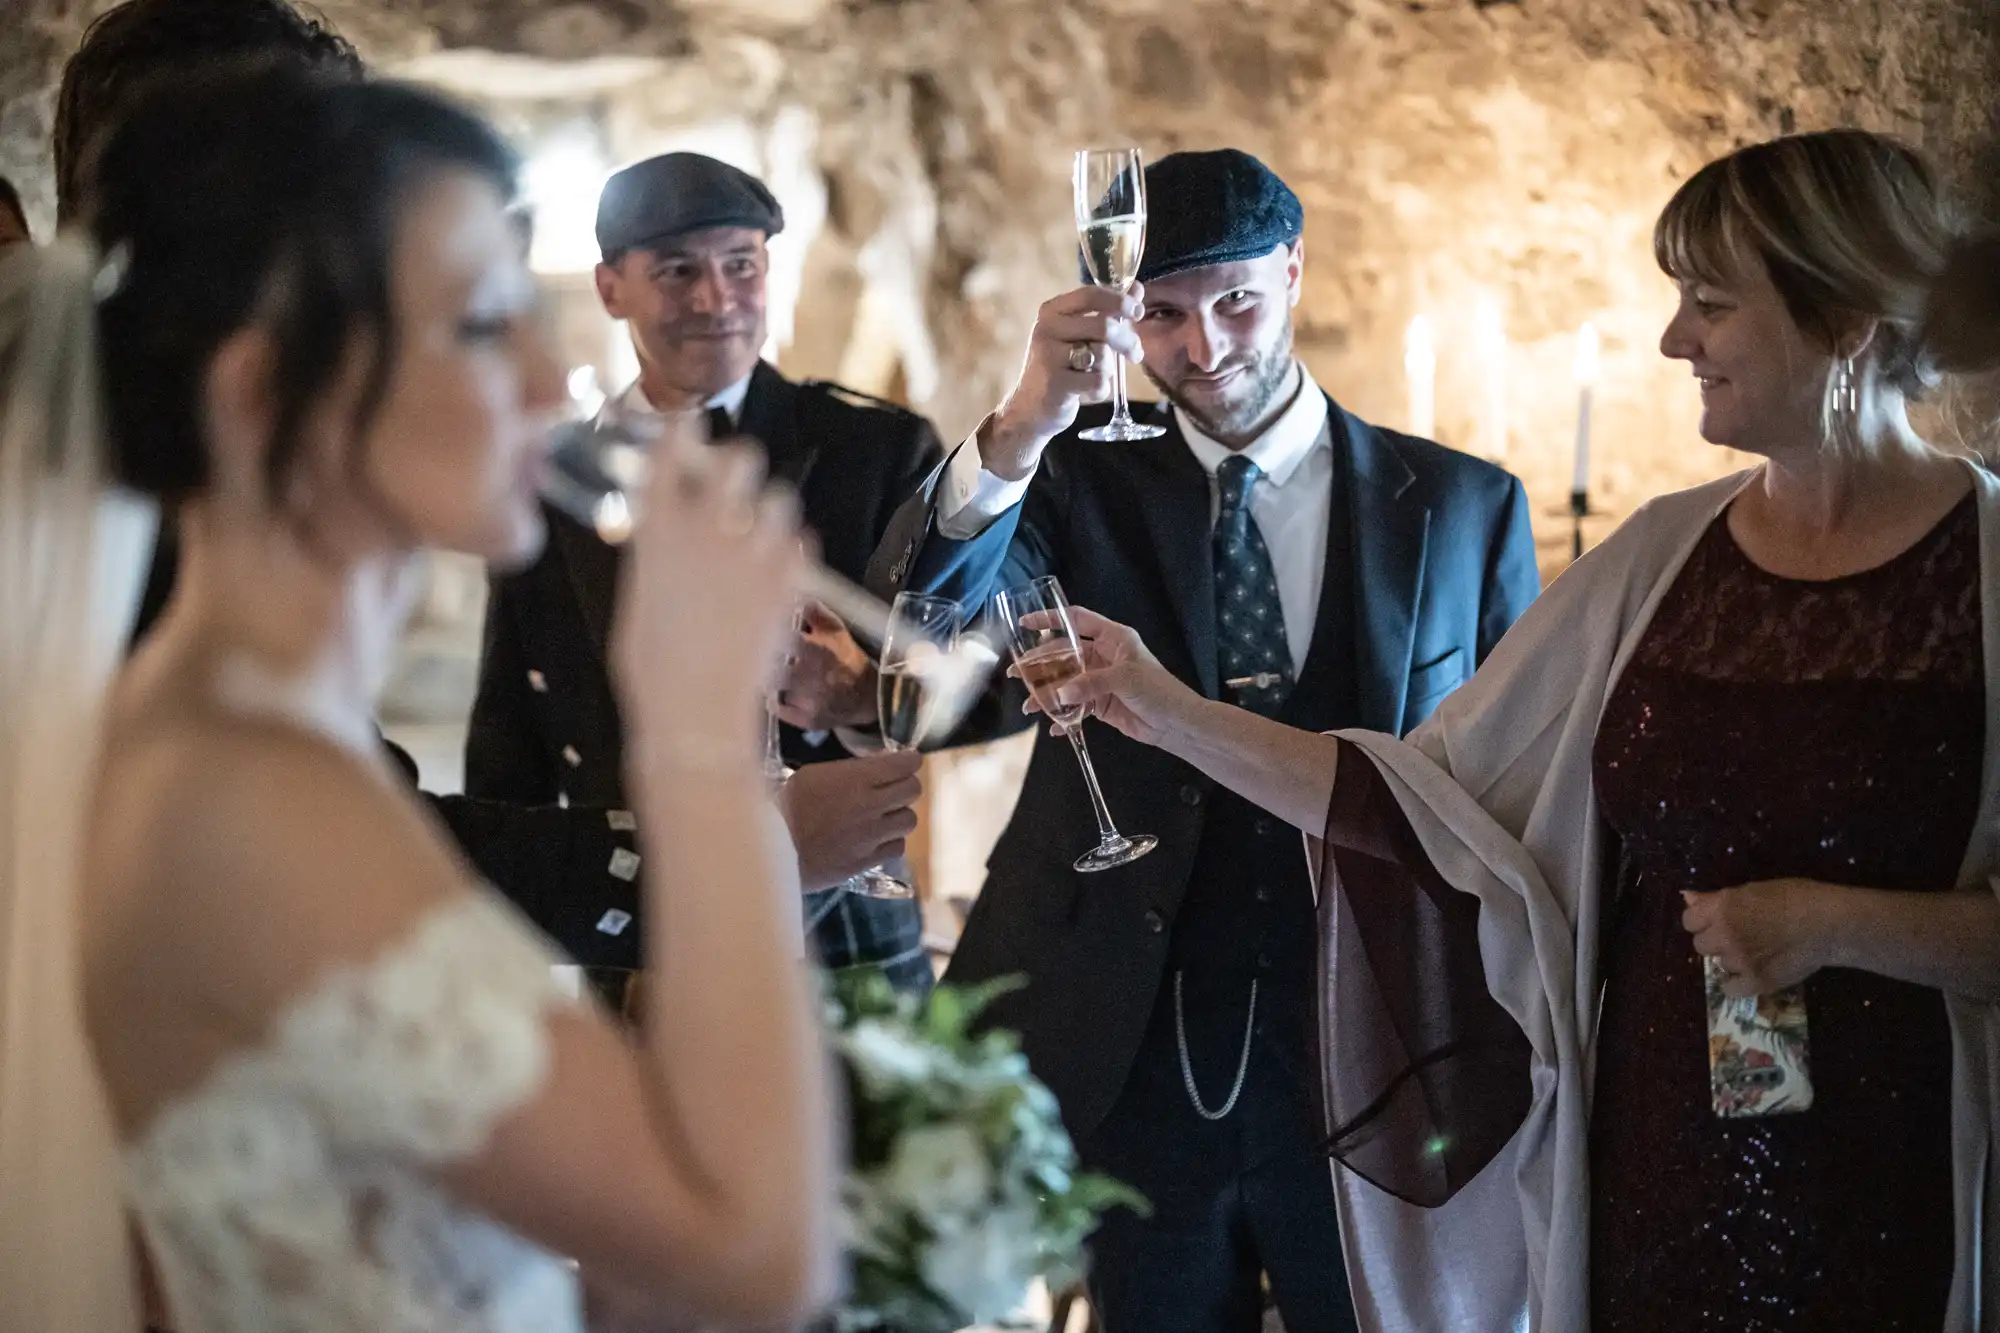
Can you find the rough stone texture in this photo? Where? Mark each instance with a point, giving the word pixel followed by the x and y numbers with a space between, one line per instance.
pixel 1448 152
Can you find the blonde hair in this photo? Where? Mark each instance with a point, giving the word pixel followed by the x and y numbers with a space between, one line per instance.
pixel 1848 224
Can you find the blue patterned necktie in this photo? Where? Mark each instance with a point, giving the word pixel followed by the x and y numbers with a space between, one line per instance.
pixel 1249 618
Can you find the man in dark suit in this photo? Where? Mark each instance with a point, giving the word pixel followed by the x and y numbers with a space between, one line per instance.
pixel 1276 551
pixel 683 240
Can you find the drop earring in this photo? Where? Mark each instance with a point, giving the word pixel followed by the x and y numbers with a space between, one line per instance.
pixel 1846 388
pixel 1843 417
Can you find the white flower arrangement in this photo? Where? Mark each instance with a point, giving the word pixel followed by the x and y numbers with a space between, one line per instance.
pixel 962 1185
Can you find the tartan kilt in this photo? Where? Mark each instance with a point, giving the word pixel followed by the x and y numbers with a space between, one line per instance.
pixel 849 929
pixel 844 929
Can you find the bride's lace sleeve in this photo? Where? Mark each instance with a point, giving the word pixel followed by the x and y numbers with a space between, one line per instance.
pixel 421 1051
pixel 289 1190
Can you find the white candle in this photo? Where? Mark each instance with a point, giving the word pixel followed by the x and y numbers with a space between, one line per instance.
pixel 1491 333
pixel 1420 366
pixel 1585 370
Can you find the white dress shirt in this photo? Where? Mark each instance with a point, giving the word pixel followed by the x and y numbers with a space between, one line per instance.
pixel 634 405
pixel 1290 503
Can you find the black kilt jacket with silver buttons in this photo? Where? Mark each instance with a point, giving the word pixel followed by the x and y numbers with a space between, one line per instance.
pixel 545 724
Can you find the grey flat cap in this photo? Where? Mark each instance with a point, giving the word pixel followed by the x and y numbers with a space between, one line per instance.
pixel 1217 207
pixel 676 193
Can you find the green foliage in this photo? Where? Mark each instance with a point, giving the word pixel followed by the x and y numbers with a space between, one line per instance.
pixel 963 1184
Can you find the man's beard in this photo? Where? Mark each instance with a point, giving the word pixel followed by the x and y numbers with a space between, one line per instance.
pixel 1264 381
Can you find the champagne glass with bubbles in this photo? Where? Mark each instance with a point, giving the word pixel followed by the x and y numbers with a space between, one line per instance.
pixel 596 476
pixel 1042 636
pixel 923 631
pixel 1111 223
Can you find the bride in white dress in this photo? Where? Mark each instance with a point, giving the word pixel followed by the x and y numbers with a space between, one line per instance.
pixel 250 996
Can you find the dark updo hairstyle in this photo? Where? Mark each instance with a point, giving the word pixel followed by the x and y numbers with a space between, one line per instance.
pixel 128 47
pixel 265 192
pixel 1847 223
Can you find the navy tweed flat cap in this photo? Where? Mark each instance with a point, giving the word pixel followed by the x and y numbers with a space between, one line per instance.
pixel 676 193
pixel 1217 207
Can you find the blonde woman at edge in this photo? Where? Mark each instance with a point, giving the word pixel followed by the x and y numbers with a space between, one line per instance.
pixel 332 1074
pixel 1753 733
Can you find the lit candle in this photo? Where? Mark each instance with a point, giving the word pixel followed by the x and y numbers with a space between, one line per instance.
pixel 1492 343
pixel 1420 366
pixel 1585 370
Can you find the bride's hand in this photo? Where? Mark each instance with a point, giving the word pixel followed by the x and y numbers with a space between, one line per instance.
pixel 706 598
pixel 1123 684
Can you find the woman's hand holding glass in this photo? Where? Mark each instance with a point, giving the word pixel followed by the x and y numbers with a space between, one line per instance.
pixel 1048 655
pixel 1122 685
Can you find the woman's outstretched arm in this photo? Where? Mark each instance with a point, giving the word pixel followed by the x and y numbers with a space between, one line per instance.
pixel 1286 770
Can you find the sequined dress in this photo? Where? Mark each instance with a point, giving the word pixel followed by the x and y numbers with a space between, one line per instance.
pixel 1767 728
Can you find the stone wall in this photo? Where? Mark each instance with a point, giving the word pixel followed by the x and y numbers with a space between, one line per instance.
pixel 1449 152
pixel 1452 155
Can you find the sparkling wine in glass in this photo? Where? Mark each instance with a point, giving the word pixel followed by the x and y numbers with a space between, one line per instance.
pixel 1111 223
pixel 597 474
pixel 1042 637
pixel 776 770
pixel 909 685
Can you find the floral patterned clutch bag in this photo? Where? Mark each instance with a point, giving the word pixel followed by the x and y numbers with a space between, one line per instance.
pixel 1757 1063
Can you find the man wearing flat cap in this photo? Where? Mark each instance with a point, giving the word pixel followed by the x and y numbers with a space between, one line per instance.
pixel 684 264
pixel 1277 552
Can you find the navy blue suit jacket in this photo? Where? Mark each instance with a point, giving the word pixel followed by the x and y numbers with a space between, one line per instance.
pixel 1430 558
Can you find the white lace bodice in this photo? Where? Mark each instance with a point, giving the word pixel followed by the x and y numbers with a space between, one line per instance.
pixel 287 1193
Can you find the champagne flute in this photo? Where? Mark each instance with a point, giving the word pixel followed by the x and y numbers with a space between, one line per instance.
pixel 1046 657
pixel 776 770
pixel 596 475
pixel 1111 221
pixel 922 632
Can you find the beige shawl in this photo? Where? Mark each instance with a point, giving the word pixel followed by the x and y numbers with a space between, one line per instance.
pixel 1497 786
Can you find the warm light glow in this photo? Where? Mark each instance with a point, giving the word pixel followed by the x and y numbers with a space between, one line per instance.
pixel 1420 345
pixel 1420 368
pixel 583 390
pixel 622 358
pixel 1585 370
pixel 1585 366
pixel 1489 327
pixel 1490 336
pixel 561 182
pixel 613 517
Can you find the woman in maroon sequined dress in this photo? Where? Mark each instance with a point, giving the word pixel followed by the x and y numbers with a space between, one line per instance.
pixel 1784 771
pixel 1768 727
